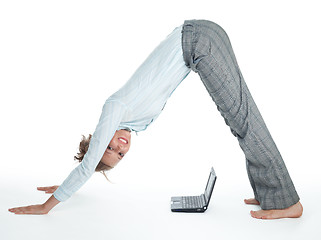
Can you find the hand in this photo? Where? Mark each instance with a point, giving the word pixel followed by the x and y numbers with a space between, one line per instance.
pixel 33 209
pixel 50 189
pixel 40 208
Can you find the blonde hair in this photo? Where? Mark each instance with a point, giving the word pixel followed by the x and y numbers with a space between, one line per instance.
pixel 83 148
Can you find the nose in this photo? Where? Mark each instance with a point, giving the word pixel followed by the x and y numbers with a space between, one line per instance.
pixel 120 146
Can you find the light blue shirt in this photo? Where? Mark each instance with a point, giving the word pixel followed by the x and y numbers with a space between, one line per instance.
pixel 135 106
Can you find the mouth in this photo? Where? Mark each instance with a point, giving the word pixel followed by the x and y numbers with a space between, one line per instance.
pixel 123 140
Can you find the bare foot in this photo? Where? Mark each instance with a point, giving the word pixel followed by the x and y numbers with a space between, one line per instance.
pixel 295 211
pixel 252 201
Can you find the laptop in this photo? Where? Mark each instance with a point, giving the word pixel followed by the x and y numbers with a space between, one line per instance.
pixel 195 203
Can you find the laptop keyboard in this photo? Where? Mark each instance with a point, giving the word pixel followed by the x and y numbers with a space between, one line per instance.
pixel 192 202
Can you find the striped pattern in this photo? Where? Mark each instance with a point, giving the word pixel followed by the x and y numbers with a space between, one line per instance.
pixel 207 50
pixel 135 106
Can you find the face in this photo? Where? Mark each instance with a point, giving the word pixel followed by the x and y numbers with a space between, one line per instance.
pixel 117 148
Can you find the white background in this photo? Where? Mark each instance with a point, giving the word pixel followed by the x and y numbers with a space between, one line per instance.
pixel 59 62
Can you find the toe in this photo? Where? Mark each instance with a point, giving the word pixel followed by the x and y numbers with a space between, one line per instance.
pixel 253 214
pixel 251 201
pixel 258 214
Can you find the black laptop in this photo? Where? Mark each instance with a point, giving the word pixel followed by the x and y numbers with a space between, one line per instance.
pixel 195 203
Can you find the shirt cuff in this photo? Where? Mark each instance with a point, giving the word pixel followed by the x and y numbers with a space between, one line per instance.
pixel 60 195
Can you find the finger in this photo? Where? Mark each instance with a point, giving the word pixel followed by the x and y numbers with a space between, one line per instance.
pixel 20 212
pixel 11 210
pixel 16 210
pixel 42 188
pixel 51 188
pixel 45 187
pixel 24 210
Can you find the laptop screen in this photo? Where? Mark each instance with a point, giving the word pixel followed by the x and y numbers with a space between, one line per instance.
pixel 210 185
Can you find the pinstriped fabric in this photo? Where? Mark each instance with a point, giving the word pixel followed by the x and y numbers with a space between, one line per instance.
pixel 207 50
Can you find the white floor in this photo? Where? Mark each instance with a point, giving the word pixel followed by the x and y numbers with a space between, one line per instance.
pixel 124 211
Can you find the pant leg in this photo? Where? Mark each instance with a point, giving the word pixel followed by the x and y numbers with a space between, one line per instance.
pixel 208 51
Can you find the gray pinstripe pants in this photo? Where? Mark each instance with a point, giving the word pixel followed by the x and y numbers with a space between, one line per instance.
pixel 208 51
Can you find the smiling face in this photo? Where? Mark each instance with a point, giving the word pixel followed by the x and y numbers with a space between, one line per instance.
pixel 117 148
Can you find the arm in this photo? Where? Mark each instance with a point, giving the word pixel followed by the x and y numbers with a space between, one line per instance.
pixel 50 203
pixel 108 123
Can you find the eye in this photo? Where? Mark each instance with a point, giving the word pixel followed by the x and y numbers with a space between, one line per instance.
pixel 121 154
pixel 109 147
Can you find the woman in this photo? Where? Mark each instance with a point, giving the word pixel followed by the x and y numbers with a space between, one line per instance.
pixel 204 47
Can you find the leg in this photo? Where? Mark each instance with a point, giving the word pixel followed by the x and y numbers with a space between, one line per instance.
pixel 207 50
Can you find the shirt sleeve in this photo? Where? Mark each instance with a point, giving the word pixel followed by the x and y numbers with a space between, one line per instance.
pixel 109 121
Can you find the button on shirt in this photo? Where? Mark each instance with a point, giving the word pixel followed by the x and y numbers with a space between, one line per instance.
pixel 135 106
